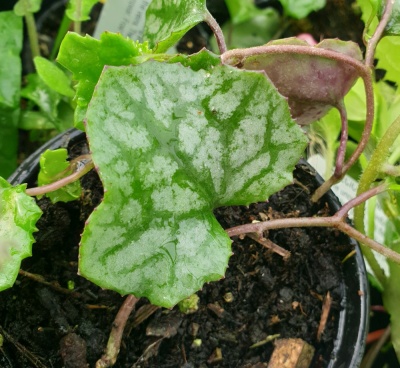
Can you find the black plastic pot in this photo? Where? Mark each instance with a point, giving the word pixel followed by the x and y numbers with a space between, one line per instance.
pixel 353 319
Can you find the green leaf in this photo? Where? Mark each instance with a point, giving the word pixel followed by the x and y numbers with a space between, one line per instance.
pixel 203 59
pixel 389 57
pixel 48 101
pixel 168 20
pixel 301 8
pixel 53 76
pixel 24 7
pixel 258 30
pixel 86 57
pixel 18 216
pixel 179 144
pixel 79 10
pixel 393 26
pixel 34 120
pixel 241 10
pixel 10 82
pixel 54 166
pixel 325 133
pixel 313 84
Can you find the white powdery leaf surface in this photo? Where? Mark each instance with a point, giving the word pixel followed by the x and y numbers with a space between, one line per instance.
pixel 173 146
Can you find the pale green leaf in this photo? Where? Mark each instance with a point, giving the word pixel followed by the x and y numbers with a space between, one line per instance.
pixel 79 10
pixel 258 30
pixel 53 76
pixel 241 10
pixel 179 144
pixel 18 216
pixel 388 55
pixel 168 20
pixel 24 7
pixel 10 82
pixel 54 166
pixel 86 57
pixel 301 8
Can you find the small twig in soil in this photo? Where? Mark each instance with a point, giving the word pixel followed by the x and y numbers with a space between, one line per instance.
pixel 143 313
pixel 270 245
pixel 265 341
pixel 326 308
pixel 114 342
pixel 53 285
pixel 23 350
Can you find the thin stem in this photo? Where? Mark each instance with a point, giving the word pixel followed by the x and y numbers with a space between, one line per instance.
pixel 32 34
pixel 360 199
pixel 371 46
pixel 114 342
pixel 372 353
pixel 86 166
pixel 343 139
pixel 236 57
pixel 337 221
pixel 392 170
pixel 270 245
pixel 78 23
pixel 219 36
pixel 335 178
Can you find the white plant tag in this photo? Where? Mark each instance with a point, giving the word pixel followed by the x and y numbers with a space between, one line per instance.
pixel 124 16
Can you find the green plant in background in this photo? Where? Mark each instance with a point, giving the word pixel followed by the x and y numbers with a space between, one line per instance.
pixel 47 93
pixel 174 136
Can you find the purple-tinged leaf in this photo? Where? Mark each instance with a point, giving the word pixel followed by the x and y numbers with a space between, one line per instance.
pixel 313 84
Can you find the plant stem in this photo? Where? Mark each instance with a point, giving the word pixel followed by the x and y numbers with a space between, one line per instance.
pixel 32 35
pixel 84 169
pixel 338 221
pixel 114 341
pixel 239 55
pixel 372 43
pixel 335 178
pixel 360 200
pixel 78 23
pixel 343 139
pixel 369 175
pixel 219 36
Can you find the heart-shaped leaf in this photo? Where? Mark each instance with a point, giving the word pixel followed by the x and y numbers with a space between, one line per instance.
pixel 313 84
pixel 168 20
pixel 18 216
pixel 86 57
pixel 179 144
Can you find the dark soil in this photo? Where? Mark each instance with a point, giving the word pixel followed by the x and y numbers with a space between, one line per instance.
pixel 47 325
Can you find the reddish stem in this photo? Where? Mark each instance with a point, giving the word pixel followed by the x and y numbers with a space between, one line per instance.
pixel 114 342
pixel 373 42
